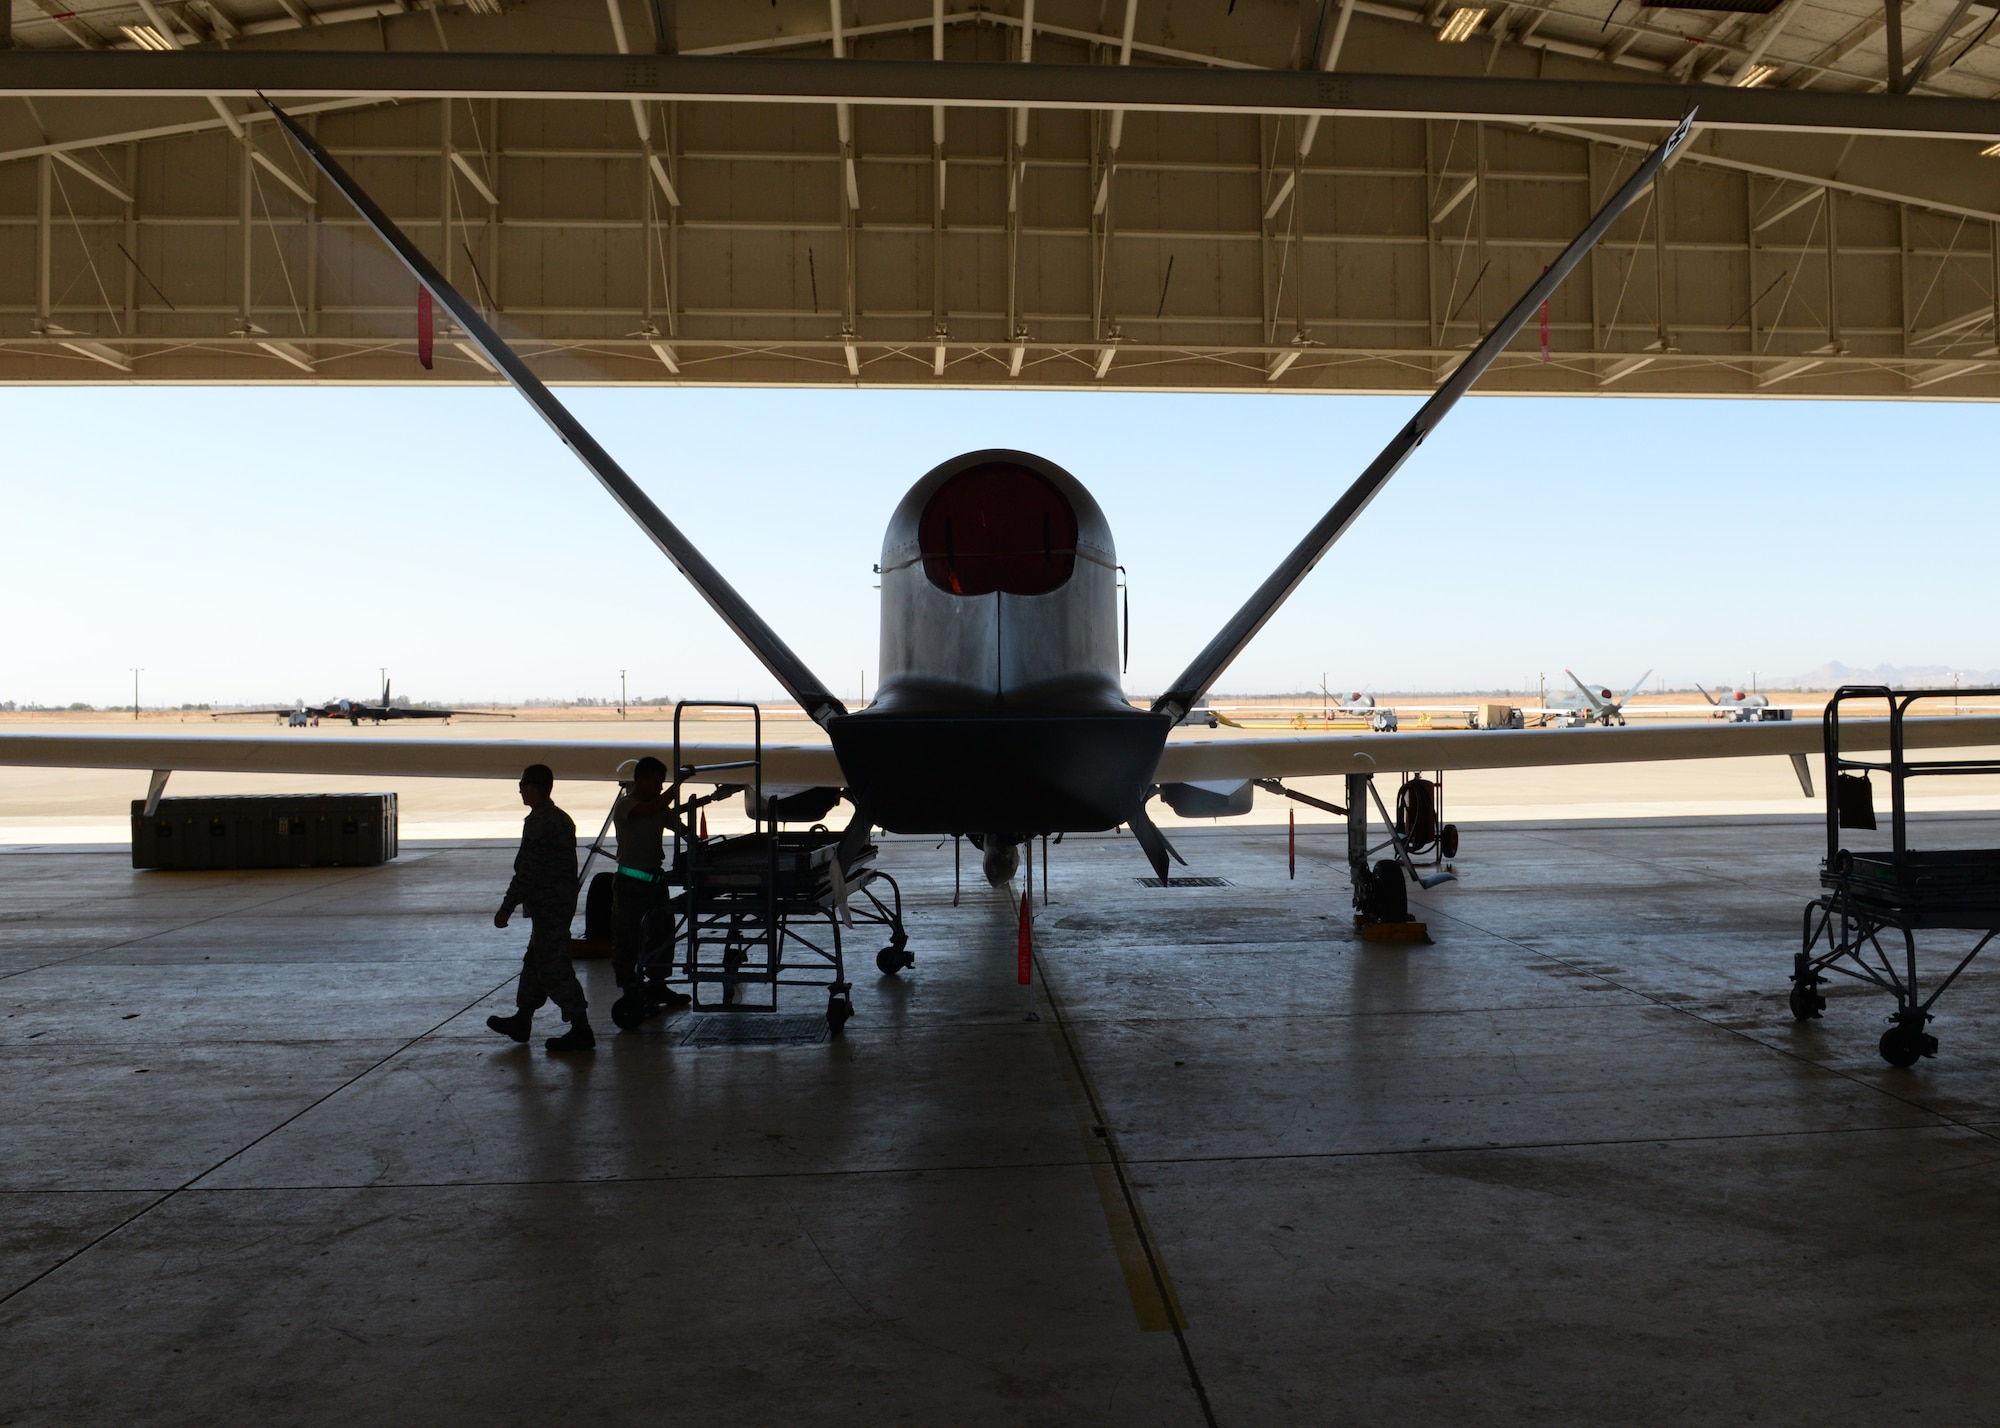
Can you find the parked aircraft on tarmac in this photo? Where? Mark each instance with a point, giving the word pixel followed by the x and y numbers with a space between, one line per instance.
pixel 1000 710
pixel 1355 708
pixel 1740 708
pixel 1590 706
pixel 355 710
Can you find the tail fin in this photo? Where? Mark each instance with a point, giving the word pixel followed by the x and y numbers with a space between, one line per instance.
pixel 1634 689
pixel 1590 695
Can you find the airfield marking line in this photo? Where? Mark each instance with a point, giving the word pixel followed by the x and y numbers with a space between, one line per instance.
pixel 304 1110
pixel 1154 1300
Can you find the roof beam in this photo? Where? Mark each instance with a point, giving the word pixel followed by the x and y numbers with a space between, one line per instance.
pixel 421 74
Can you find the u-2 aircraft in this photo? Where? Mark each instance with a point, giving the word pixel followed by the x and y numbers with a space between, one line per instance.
pixel 999 710
pixel 355 710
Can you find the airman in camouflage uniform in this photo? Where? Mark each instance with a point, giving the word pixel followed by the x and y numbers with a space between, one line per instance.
pixel 545 884
pixel 641 815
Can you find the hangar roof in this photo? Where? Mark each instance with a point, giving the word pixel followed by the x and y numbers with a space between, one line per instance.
pixel 1192 194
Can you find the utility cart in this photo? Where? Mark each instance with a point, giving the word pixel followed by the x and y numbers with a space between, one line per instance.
pixel 760 910
pixel 1899 892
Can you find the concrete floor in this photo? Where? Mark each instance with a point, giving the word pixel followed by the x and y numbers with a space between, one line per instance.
pixel 1571 1164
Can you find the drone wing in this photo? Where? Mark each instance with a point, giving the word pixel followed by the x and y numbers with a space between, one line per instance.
pixel 393 756
pixel 1211 758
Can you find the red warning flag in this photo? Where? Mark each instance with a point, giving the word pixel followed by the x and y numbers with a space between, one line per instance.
pixel 424 326
pixel 1026 944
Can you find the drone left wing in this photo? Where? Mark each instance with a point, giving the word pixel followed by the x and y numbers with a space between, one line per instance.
pixel 367 756
pixel 1218 759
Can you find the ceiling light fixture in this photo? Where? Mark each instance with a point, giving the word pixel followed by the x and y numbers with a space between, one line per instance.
pixel 1755 75
pixel 146 37
pixel 1462 23
pixel 1991 151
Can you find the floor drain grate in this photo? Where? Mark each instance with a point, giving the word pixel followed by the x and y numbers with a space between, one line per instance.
pixel 1182 882
pixel 754 1029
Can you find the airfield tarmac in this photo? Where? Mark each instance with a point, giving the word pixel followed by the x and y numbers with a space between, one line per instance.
pixel 1572 1163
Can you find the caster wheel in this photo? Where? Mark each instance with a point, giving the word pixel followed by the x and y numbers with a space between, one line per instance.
pixel 628 1012
pixel 837 1012
pixel 1448 841
pixel 1807 1003
pixel 893 959
pixel 1902 1046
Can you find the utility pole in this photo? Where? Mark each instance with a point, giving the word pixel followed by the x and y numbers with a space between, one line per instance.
pixel 621 694
pixel 135 693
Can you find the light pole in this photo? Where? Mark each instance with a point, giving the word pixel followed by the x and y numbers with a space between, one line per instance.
pixel 621 694
pixel 135 692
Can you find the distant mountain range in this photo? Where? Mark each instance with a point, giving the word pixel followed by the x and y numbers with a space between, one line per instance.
pixel 1834 674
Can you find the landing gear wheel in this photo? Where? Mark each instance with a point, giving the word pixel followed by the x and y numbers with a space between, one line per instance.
pixel 893 959
pixel 838 1010
pixel 1905 1046
pixel 629 1011
pixel 1807 1003
pixel 1448 841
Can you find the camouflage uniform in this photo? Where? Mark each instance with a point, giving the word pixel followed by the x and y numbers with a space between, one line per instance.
pixel 545 886
pixel 642 850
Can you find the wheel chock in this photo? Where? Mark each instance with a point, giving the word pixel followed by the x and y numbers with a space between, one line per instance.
pixel 1395 932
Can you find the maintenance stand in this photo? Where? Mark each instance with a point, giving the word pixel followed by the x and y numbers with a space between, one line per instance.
pixel 1901 890
pixel 764 909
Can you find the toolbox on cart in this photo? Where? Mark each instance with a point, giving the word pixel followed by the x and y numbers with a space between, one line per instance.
pixel 296 830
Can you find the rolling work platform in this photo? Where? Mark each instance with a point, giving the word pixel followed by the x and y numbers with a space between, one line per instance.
pixel 1907 894
pixel 761 910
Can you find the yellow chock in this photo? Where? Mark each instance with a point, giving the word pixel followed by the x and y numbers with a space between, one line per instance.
pixel 1395 932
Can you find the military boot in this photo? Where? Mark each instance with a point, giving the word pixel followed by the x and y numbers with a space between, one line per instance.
pixel 579 1037
pixel 515 1026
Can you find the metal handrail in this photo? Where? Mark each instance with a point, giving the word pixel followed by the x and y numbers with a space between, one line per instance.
pixel 1899 768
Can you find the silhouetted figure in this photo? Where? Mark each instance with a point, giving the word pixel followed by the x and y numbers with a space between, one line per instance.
pixel 545 885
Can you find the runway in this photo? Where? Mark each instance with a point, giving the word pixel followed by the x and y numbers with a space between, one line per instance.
pixel 1571 1163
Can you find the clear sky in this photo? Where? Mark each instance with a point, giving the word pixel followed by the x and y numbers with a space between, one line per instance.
pixel 274 544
